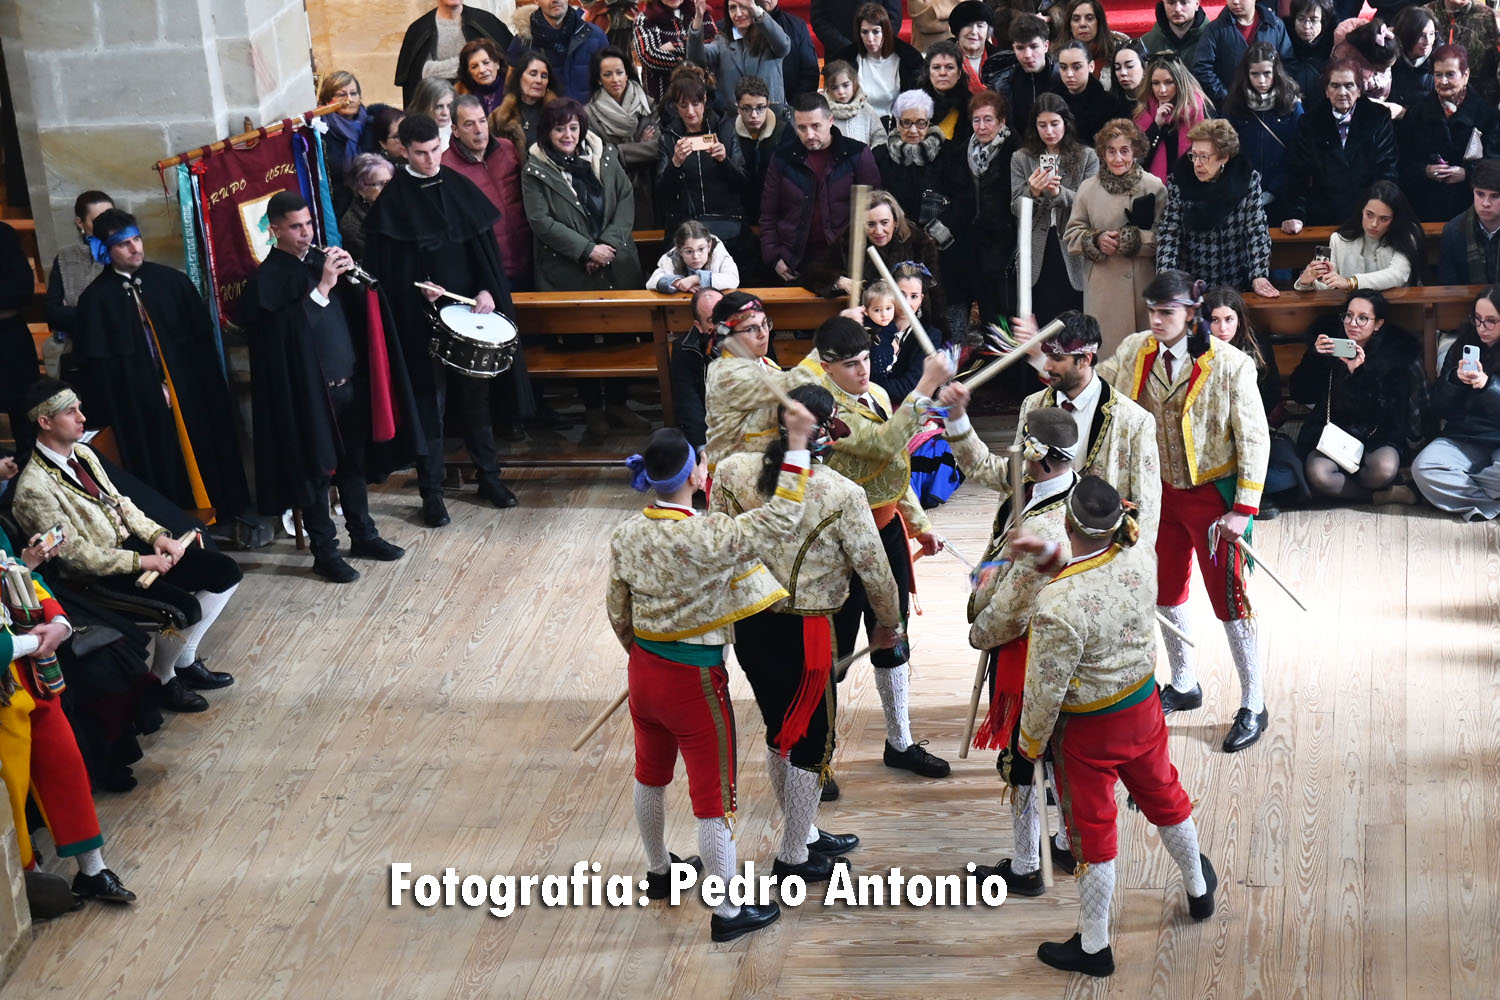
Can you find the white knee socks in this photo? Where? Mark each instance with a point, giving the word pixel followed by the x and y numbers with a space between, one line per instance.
pixel 716 847
pixel 164 653
pixel 1096 887
pixel 91 862
pixel 801 806
pixel 1181 841
pixel 212 606
pixel 892 683
pixel 651 818
pixel 1244 646
pixel 1026 827
pixel 1184 677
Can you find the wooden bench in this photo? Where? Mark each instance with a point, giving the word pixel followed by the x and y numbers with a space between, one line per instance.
pixel 1423 310
pixel 1293 253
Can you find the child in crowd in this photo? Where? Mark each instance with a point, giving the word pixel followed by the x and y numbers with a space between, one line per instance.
pixel 697 260
pixel 855 117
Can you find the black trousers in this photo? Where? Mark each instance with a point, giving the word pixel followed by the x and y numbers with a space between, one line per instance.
pixel 199 569
pixel 847 619
pixel 769 648
pixel 479 434
pixel 349 477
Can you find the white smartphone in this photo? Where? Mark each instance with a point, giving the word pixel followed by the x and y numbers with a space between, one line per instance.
pixel 1343 348
pixel 1470 361
pixel 1049 163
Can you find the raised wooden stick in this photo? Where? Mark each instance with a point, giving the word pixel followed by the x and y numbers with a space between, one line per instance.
pixel 979 671
pixel 1020 354
pixel 430 287
pixel 948 548
pixel 1245 548
pixel 841 666
pixel 732 346
pixel 601 719
pixel 150 576
pixel 1162 620
pixel 1023 257
pixel 916 325
pixel 857 243
pixel 1039 782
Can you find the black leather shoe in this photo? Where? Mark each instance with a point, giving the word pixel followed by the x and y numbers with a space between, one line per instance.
pixel 335 570
pixel 817 867
pixel 198 677
pixel 1069 956
pixel 833 843
pixel 175 697
pixel 1062 860
pixel 830 791
pixel 916 760
pixel 496 492
pixel 1015 885
pixel 48 896
pixel 434 511
pixel 1173 700
pixel 1246 729
pixel 376 548
pixel 105 886
pixel 750 918
pixel 1202 907
pixel 659 884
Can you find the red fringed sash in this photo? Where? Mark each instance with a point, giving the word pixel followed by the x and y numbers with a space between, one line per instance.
pixel 1005 703
pixel 817 664
pixel 382 408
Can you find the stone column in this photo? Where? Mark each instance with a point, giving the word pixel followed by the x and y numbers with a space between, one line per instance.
pixel 15 915
pixel 105 88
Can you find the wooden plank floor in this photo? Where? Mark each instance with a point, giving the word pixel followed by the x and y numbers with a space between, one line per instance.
pixel 423 715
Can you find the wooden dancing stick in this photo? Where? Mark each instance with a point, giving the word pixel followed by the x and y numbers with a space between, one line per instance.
pixel 841 666
pixel 857 243
pixel 1023 256
pixel 1020 354
pixel 1039 782
pixel 150 576
pixel 600 719
pixel 732 346
pixel 916 325
pixel 428 286
pixel 1182 636
pixel 1245 548
pixel 979 671
pixel 948 548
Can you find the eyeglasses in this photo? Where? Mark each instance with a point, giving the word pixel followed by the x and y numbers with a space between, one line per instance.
pixel 347 95
pixel 1201 157
pixel 1485 322
pixel 1342 86
pixel 1361 320
pixel 754 109
pixel 754 329
pixel 908 125
pixel 1310 19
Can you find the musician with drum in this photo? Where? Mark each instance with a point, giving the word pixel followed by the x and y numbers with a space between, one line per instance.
pixel 332 401
pixel 433 225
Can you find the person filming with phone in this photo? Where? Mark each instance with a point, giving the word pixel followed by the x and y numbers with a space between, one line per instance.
pixel 1363 378
pixel 1460 470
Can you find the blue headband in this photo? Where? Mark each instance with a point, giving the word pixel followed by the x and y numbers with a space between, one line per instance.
pixel 641 481
pixel 100 248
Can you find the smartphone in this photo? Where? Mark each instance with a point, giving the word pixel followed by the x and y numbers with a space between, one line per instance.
pixel 52 538
pixel 1344 348
pixel 1470 361
pixel 701 143
pixel 1323 253
pixel 1049 162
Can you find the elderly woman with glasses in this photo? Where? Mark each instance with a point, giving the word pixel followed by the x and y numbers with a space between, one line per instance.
pixel 1460 470
pixel 1343 145
pixel 1215 222
pixel 369 176
pixel 1363 375
pixel 927 174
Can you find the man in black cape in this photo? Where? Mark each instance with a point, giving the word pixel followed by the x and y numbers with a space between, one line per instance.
pixel 145 345
pixel 326 411
pixel 432 224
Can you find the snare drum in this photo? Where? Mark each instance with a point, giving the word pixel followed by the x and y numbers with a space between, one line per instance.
pixel 478 344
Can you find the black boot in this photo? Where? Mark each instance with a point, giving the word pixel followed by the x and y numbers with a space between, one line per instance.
pixel 434 511
pixel 496 492
pixel 334 569
pixel 376 548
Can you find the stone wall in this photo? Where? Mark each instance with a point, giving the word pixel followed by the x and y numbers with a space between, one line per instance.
pixel 15 916
pixel 105 88
pixel 364 38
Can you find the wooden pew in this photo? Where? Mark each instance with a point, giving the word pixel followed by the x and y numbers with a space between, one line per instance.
pixel 1423 310
pixel 1294 252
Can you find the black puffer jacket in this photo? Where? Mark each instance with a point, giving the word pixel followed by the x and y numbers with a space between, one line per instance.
pixel 1382 402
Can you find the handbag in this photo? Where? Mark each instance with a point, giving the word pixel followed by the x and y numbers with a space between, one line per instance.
pixel 1343 448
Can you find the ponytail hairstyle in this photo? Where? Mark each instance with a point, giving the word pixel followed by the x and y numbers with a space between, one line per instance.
pixel 819 401
pixel 666 464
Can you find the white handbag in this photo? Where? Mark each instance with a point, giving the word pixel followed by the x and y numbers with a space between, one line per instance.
pixel 1343 448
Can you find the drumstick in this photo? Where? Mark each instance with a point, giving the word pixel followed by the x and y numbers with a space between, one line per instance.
pixel 427 286
pixel 1182 636
pixel 857 243
pixel 979 672
pixel 988 372
pixel 732 346
pixel 901 303
pixel 1023 258
pixel 601 719
pixel 150 576
pixel 1039 783
pixel 1245 548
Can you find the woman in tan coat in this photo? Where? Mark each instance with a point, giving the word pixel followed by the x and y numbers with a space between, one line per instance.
pixel 1113 228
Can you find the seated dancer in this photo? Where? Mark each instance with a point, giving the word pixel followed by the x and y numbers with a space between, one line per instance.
pixel 38 754
pixel 1117 436
pixel 109 540
pixel 1213 441
pixel 1091 692
pixel 741 405
pixel 1000 607
pixel 787 651
pixel 333 405
pixel 677 581
pixel 874 455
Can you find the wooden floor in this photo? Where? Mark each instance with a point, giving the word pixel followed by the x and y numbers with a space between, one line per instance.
pixel 423 715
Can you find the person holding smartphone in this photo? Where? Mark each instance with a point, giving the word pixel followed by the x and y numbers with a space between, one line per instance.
pixel 1365 376
pixel 1460 470
pixel 1379 246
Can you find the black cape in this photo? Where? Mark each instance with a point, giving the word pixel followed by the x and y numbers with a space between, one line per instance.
pixel 438 229
pixel 296 436
pixel 122 385
pixel 18 363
